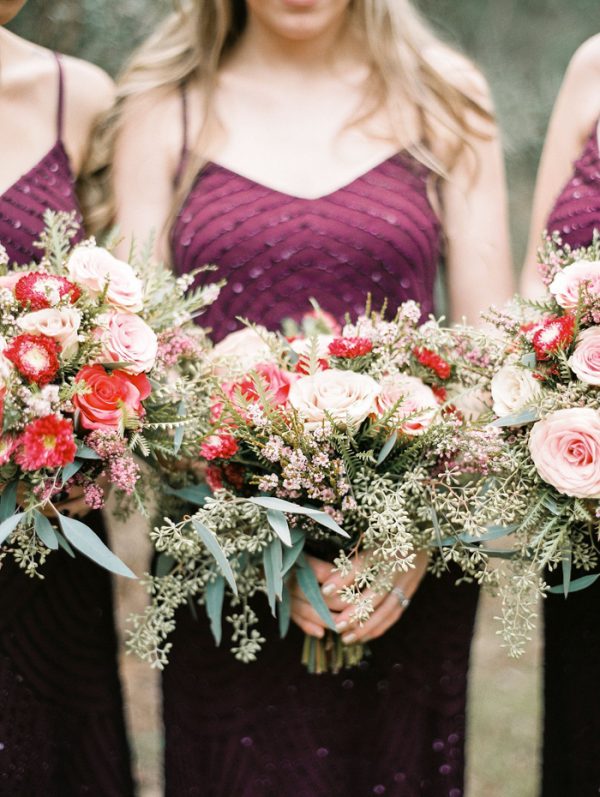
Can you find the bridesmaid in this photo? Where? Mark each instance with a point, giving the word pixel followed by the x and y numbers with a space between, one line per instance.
pixel 567 200
pixel 322 148
pixel 62 731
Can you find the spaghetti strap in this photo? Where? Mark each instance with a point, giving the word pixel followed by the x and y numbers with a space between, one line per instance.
pixel 61 101
pixel 183 156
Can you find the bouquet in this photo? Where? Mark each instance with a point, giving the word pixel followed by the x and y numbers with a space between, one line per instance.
pixel 546 401
pixel 330 443
pixel 99 361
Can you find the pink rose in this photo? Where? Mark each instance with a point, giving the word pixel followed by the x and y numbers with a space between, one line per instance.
pixel 567 284
pixel 585 360
pixel 565 448
pixel 242 349
pixel 418 404
pixel 276 383
pixel 129 339
pixel 345 396
pixel 94 268
pixel 108 395
pixel 60 323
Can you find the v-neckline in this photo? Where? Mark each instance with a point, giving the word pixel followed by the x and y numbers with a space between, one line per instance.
pixel 297 197
pixel 57 146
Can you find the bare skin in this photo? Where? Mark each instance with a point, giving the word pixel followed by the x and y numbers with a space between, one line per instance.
pixel 284 99
pixel 29 100
pixel 576 111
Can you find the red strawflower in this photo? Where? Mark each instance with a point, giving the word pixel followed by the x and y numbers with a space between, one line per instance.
pixel 552 335
pixel 34 356
pixel 433 361
pixel 219 446
pixel 47 442
pixel 350 347
pixel 40 290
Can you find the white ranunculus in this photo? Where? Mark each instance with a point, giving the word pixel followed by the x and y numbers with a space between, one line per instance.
pixel 344 396
pixel 59 323
pixel 513 388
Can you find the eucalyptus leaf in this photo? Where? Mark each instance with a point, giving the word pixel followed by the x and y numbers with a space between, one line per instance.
pixel 284 612
pixel 70 470
pixel 279 504
pixel 529 360
pixel 213 546
pixel 576 585
pixel 85 452
pixel 45 531
pixel 492 533
pixel 164 565
pixel 272 564
pixel 180 431
pixel 8 501
pixel 566 563
pixel 89 543
pixel 65 545
pixel 290 555
pixel 438 531
pixel 278 522
pixel 193 493
pixel 310 587
pixel 387 447
pixel 9 525
pixel 520 418
pixel 214 595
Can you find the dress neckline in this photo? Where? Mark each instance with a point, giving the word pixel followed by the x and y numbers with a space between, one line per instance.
pixel 252 181
pixel 57 149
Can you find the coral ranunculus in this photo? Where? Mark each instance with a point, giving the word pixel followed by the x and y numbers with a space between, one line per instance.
pixel 40 290
pixel 109 395
pixel 46 443
pixel 35 357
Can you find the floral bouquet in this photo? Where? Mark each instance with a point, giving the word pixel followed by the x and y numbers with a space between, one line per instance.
pixel 329 444
pixel 546 401
pixel 94 368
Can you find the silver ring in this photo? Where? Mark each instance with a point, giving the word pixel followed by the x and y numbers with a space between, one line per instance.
pixel 398 593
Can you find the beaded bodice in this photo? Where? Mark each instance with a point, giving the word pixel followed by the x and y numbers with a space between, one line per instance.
pixel 377 234
pixel 576 212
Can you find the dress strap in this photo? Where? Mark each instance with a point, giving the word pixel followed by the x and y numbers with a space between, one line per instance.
pixel 183 156
pixel 61 98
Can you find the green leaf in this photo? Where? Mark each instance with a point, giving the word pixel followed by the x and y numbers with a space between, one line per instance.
pixel 164 565
pixel 8 501
pixel 180 431
pixel 9 525
pixel 323 519
pixel 566 562
pixel 85 452
pixel 290 555
pixel 89 543
pixel 65 545
pixel 438 531
pixel 214 595
pixel 284 612
pixel 70 470
pixel 272 564
pixel 577 585
pixel 278 522
pixel 492 533
pixel 268 502
pixel 193 493
pixel 529 360
pixel 310 587
pixel 387 447
pixel 213 546
pixel 527 415
pixel 45 531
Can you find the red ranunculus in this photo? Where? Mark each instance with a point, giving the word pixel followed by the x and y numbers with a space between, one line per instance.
pixel 40 290
pixel 350 348
pixel 109 393
pixel 47 442
pixel 34 356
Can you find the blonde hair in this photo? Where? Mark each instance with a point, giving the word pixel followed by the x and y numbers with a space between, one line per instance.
pixel 191 44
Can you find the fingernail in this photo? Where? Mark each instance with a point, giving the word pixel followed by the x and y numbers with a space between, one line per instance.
pixel 349 639
pixel 319 634
pixel 328 589
pixel 341 626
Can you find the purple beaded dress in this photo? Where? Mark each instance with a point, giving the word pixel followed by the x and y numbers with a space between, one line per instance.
pixel 62 731
pixel 571 763
pixel 396 725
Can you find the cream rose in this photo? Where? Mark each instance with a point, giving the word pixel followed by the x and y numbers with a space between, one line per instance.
pixel 128 339
pixel 344 396
pixel 565 448
pixel 585 360
pixel 93 268
pixel 60 323
pixel 512 388
pixel 245 348
pixel 567 284
pixel 418 404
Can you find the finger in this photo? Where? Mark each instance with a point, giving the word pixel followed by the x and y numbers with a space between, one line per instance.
pixel 378 623
pixel 304 610
pixel 346 616
pixel 336 581
pixel 309 628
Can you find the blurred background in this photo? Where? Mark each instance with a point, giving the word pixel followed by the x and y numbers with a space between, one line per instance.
pixel 523 49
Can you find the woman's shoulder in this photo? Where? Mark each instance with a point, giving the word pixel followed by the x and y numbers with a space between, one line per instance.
pixel 89 91
pixel 578 104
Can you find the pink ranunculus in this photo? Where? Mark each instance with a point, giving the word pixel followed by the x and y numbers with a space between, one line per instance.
pixel 244 347
pixel 345 396
pixel 565 448
pixel 94 268
pixel 418 405
pixel 108 394
pixel 567 284
pixel 129 339
pixel 59 323
pixel 585 360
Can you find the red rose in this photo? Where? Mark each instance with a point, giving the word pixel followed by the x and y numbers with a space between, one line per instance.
pixel 35 357
pixel 552 335
pixel 433 361
pixel 350 348
pixel 46 443
pixel 40 290
pixel 109 393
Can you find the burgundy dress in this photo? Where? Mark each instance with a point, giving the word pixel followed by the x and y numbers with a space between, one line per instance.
pixel 62 731
pixel 395 726
pixel 571 762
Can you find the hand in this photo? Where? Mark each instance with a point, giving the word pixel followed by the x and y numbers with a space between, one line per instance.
pixel 75 505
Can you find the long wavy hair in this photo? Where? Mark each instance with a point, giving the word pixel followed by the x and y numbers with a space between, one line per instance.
pixel 192 42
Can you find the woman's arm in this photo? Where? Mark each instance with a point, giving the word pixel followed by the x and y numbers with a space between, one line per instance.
pixel 576 111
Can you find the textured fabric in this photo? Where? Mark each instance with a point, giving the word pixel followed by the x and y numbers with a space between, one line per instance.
pixel 269 729
pixel 62 731
pixel 571 745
